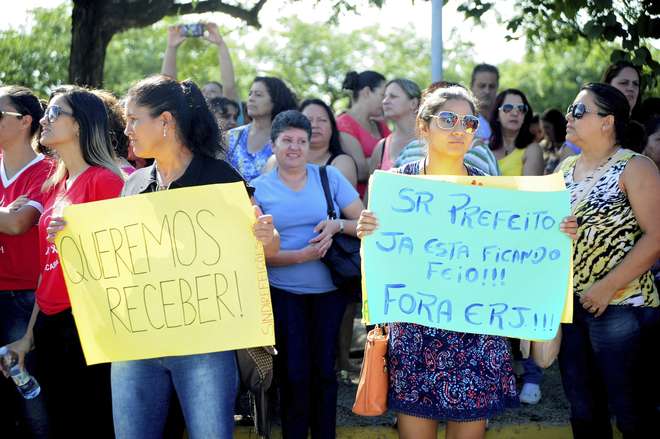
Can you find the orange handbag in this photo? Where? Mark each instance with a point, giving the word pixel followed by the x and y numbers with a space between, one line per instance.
pixel 371 397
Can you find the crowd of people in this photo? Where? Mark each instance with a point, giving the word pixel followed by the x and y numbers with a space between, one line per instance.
pixel 83 145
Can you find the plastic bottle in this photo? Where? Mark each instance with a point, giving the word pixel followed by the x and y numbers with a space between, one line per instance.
pixel 26 384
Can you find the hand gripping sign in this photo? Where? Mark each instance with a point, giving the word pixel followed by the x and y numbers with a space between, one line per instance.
pixel 168 273
pixel 463 256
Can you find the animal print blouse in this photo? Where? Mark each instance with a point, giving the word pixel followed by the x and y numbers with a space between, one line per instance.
pixel 608 231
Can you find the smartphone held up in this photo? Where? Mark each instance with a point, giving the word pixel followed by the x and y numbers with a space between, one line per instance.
pixel 194 30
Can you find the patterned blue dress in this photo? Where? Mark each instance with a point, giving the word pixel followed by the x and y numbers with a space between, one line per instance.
pixel 247 163
pixel 446 375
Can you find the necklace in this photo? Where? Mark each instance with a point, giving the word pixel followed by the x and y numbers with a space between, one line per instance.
pixel 600 165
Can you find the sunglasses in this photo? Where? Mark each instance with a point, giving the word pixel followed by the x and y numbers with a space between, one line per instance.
pixel 508 108
pixel 579 110
pixel 10 113
pixel 53 113
pixel 447 120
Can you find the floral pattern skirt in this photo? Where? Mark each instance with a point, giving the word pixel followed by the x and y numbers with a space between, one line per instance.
pixel 448 376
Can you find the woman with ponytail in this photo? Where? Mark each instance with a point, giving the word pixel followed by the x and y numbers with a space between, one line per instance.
pixel 361 127
pixel 23 172
pixel 170 122
pixel 75 127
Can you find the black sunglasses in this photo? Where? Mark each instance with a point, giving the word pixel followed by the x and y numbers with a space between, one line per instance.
pixel 10 113
pixel 447 120
pixel 508 108
pixel 579 110
pixel 53 112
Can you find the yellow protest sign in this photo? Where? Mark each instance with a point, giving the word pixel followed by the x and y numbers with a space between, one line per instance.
pixel 175 272
pixel 547 183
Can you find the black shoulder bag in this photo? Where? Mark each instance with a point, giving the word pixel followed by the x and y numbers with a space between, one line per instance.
pixel 343 256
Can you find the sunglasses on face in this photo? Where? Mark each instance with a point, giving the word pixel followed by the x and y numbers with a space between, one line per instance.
pixel 53 112
pixel 508 108
pixel 447 120
pixel 579 110
pixel 10 113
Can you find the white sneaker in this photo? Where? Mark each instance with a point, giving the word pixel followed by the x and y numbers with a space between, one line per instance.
pixel 530 393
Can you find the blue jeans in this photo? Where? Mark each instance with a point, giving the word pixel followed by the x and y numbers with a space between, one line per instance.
pixel 533 373
pixel 602 366
pixel 306 331
pixel 30 414
pixel 206 385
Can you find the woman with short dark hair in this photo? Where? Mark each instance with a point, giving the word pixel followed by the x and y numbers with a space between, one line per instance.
pixel 307 306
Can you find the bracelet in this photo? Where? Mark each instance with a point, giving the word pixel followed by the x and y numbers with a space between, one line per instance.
pixel 341 226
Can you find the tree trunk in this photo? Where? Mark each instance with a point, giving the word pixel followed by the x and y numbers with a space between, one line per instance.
pixel 90 36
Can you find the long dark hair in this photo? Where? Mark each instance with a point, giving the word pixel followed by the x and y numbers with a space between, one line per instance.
pixel 524 137
pixel 116 122
pixel 90 113
pixel 196 127
pixel 280 94
pixel 611 101
pixel 26 103
pixel 357 81
pixel 335 145
pixel 556 118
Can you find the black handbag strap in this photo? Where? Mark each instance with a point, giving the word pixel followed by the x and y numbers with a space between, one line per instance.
pixel 326 191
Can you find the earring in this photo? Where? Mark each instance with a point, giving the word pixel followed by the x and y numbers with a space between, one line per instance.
pixel 164 132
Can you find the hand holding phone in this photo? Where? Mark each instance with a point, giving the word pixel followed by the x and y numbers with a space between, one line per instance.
pixel 194 30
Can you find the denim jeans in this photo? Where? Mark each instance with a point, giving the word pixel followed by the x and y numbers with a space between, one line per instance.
pixel 306 331
pixel 19 417
pixel 533 373
pixel 602 367
pixel 206 386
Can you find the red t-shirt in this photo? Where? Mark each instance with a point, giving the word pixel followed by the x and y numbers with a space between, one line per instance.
pixel 19 254
pixel 346 124
pixel 94 184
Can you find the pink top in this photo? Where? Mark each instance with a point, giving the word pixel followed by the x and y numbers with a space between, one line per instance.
pixel 347 124
pixel 385 162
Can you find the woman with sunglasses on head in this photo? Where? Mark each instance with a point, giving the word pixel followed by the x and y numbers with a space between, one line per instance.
pixel 22 172
pixel 75 127
pixel 616 194
pixel 511 141
pixel 481 376
pixel 171 122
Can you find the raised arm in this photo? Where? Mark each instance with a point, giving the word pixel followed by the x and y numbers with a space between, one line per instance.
pixel 224 59
pixel 174 40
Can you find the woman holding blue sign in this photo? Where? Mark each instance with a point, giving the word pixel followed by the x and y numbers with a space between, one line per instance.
pixel 170 121
pixel 616 193
pixel 476 380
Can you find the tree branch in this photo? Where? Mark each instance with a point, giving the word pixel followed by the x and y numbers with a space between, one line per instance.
pixel 250 16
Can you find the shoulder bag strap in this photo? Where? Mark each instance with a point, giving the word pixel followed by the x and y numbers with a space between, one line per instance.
pixel 326 191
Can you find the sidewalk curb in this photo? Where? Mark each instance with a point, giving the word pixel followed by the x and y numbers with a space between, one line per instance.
pixel 523 431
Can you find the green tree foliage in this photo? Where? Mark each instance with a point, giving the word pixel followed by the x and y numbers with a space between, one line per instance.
pixel 629 24
pixel 37 56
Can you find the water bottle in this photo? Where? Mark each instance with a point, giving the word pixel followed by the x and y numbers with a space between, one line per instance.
pixel 25 383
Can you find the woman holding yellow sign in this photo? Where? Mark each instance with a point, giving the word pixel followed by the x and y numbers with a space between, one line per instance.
pixel 170 121
pixel 434 374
